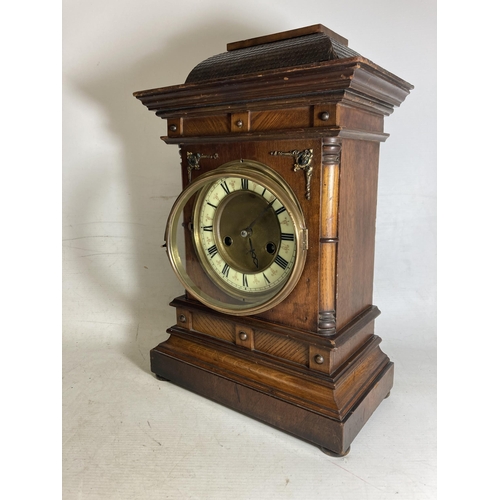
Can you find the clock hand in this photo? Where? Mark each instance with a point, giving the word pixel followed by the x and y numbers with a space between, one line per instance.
pixel 254 255
pixel 269 205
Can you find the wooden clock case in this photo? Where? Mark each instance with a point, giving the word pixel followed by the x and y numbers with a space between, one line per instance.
pixel 312 365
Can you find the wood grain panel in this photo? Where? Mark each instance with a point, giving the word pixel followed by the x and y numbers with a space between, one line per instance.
pixel 351 344
pixel 215 327
pixel 357 119
pixel 209 125
pixel 281 119
pixel 359 374
pixel 356 232
pixel 281 347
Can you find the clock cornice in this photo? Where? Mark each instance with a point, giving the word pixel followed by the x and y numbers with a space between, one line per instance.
pixel 355 81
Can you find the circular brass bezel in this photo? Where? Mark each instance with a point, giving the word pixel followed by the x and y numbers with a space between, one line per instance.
pixel 252 302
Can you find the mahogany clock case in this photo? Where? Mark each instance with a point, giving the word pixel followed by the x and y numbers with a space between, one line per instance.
pixel 310 366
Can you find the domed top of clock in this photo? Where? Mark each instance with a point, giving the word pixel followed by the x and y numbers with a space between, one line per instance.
pixel 287 49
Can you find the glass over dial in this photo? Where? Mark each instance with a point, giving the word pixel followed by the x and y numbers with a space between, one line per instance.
pixel 236 238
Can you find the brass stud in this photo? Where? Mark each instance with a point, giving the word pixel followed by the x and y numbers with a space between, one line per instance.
pixel 243 336
pixel 182 318
pixel 239 124
pixel 325 116
pixel 319 359
pixel 173 128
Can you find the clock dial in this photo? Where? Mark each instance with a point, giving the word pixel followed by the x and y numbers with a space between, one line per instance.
pixel 245 235
pixel 248 236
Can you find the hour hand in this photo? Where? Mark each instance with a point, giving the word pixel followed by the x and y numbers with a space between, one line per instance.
pixel 254 255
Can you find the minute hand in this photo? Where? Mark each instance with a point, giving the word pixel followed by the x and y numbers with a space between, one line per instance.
pixel 270 204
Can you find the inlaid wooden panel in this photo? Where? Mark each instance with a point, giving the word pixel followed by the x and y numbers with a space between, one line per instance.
pixel 215 327
pixel 281 347
pixel 243 335
pixel 281 119
pixel 209 125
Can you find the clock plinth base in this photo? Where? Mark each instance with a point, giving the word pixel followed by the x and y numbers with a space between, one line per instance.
pixel 230 377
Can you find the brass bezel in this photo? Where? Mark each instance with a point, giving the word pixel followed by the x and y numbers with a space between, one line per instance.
pixel 254 302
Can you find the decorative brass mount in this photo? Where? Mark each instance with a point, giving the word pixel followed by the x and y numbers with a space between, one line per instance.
pixel 303 161
pixel 193 160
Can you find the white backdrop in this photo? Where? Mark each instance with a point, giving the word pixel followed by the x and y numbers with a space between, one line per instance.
pixel 125 434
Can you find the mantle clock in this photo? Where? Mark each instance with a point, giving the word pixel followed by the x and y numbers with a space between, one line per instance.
pixel 273 234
